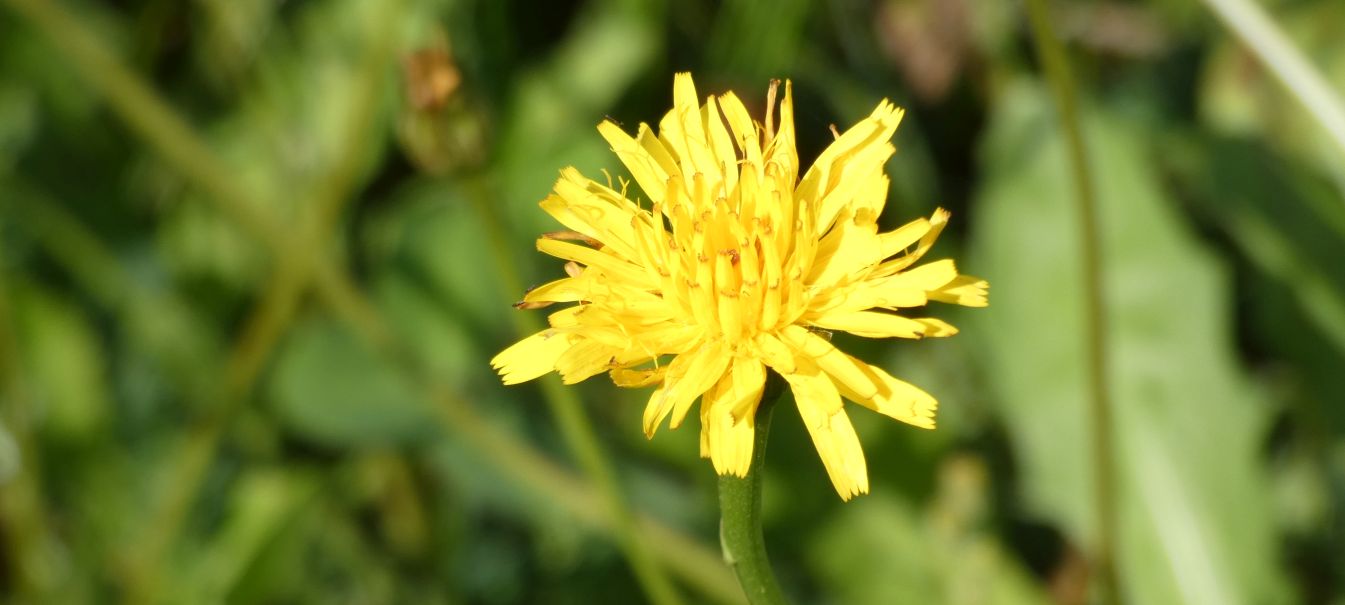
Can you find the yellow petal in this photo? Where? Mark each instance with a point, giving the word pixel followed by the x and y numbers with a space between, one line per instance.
pixel 645 157
pixel 567 289
pixel 847 249
pixel 897 399
pixel 628 378
pixel 807 380
pixel 872 324
pixel 689 375
pixel 855 154
pixel 776 354
pixel 929 276
pixel 782 150
pixel 531 357
pixel 595 211
pixel 871 196
pixel 587 358
pixel 882 293
pixel 911 288
pixel 744 130
pixel 721 145
pixel 902 237
pixel 596 259
pixel 845 370
pixel 728 441
pixel 936 328
pixel 565 318
pixel 936 224
pixel 683 129
pixel 713 362
pixel 707 438
pixel 833 436
pixel 665 337
pixel 965 290
pixel 747 379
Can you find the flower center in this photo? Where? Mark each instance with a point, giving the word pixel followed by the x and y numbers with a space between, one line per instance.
pixel 732 270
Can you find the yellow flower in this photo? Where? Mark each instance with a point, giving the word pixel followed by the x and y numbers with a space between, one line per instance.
pixel 740 266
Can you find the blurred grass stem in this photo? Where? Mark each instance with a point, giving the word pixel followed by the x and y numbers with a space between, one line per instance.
pixel 569 412
pixel 268 321
pixel 166 133
pixel 177 145
pixel 1055 62
pixel 27 540
pixel 740 533
pixel 93 267
pixel 698 566
pixel 1250 23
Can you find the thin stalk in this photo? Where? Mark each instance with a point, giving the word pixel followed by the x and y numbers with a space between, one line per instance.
pixel 150 117
pixel 1055 61
pixel 740 533
pixel 27 538
pixel 1273 49
pixel 271 317
pixel 573 421
pixel 90 263
pixel 154 121
pixel 696 565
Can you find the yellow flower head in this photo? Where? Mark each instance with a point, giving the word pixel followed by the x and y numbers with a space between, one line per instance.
pixel 740 266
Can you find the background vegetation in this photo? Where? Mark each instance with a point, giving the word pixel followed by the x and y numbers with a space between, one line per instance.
pixel 255 255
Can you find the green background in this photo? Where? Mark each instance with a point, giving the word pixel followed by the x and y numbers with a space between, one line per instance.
pixel 249 289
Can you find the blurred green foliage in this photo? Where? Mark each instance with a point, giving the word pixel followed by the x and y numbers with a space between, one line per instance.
pixel 255 255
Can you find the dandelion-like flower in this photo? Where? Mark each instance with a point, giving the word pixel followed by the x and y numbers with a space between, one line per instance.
pixel 736 266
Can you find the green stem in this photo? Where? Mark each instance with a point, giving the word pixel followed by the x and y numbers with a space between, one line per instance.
pixel 27 538
pixel 270 319
pixel 1277 53
pixel 150 116
pixel 1055 61
pixel 89 263
pixel 740 506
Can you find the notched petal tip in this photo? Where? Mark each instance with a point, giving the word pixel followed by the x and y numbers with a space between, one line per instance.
pixel 740 473
pixel 531 357
pixel 965 290
pixel 853 492
pixel 936 328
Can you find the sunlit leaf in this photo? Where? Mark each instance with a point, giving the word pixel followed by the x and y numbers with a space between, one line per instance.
pixel 881 549
pixel 330 388
pixel 1194 519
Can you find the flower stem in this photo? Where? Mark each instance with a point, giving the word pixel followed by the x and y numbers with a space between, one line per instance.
pixel 740 507
pixel 1055 62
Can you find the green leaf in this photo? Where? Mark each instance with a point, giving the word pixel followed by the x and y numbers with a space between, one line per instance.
pixel 18 120
pixel 435 277
pixel 880 549
pixel 1194 517
pixel 1286 222
pixel 553 120
pixel 760 39
pixel 330 388
pixel 262 504
pixel 291 131
pixel 66 361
